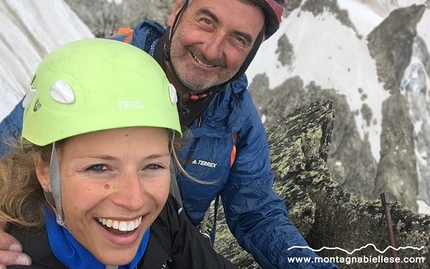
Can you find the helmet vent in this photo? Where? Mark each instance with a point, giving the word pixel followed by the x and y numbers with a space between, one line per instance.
pixel 173 95
pixel 37 106
pixel 61 92
pixel 29 97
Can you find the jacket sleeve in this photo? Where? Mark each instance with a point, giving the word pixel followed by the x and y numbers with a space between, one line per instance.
pixel 10 128
pixel 256 215
pixel 35 243
pixel 190 248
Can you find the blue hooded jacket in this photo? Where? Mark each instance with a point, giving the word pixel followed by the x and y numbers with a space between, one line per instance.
pixel 256 216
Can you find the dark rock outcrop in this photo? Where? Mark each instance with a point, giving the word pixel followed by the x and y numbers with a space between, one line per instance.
pixel 349 158
pixel 104 17
pixel 397 172
pixel 390 44
pixel 325 214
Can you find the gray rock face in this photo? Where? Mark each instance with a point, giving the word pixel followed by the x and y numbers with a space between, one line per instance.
pixel 104 17
pixel 397 173
pixel 324 213
pixel 414 87
pixel 391 45
pixel 356 175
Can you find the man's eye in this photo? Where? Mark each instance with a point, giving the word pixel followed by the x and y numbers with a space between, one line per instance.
pixel 97 167
pixel 240 41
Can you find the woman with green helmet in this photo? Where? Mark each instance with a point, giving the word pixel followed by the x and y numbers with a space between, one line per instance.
pixel 88 184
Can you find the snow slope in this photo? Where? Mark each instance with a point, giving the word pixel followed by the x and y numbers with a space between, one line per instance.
pixel 30 30
pixel 335 56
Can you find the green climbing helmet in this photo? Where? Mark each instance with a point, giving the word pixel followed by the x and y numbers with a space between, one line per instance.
pixel 97 84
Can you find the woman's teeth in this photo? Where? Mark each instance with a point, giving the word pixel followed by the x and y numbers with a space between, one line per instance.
pixel 123 226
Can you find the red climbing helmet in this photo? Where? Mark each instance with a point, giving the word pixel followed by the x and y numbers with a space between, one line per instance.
pixel 273 10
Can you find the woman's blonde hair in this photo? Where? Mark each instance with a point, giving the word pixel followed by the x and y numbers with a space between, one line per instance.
pixel 21 196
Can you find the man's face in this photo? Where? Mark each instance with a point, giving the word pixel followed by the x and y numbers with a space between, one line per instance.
pixel 212 40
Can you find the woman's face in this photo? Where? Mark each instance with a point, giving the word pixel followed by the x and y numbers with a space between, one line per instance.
pixel 114 184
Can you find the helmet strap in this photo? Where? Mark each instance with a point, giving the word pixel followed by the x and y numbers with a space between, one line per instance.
pixel 250 56
pixel 166 49
pixel 54 196
pixel 167 58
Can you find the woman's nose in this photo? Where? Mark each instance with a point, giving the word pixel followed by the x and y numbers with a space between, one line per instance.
pixel 129 192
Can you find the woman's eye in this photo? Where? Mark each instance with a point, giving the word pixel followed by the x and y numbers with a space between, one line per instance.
pixel 153 167
pixel 97 167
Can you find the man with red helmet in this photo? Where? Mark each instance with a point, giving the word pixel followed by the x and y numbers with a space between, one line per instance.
pixel 205 52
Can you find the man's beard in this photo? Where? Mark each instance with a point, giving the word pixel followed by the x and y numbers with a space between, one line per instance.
pixel 198 81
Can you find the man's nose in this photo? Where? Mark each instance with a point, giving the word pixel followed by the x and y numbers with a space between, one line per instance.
pixel 214 48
